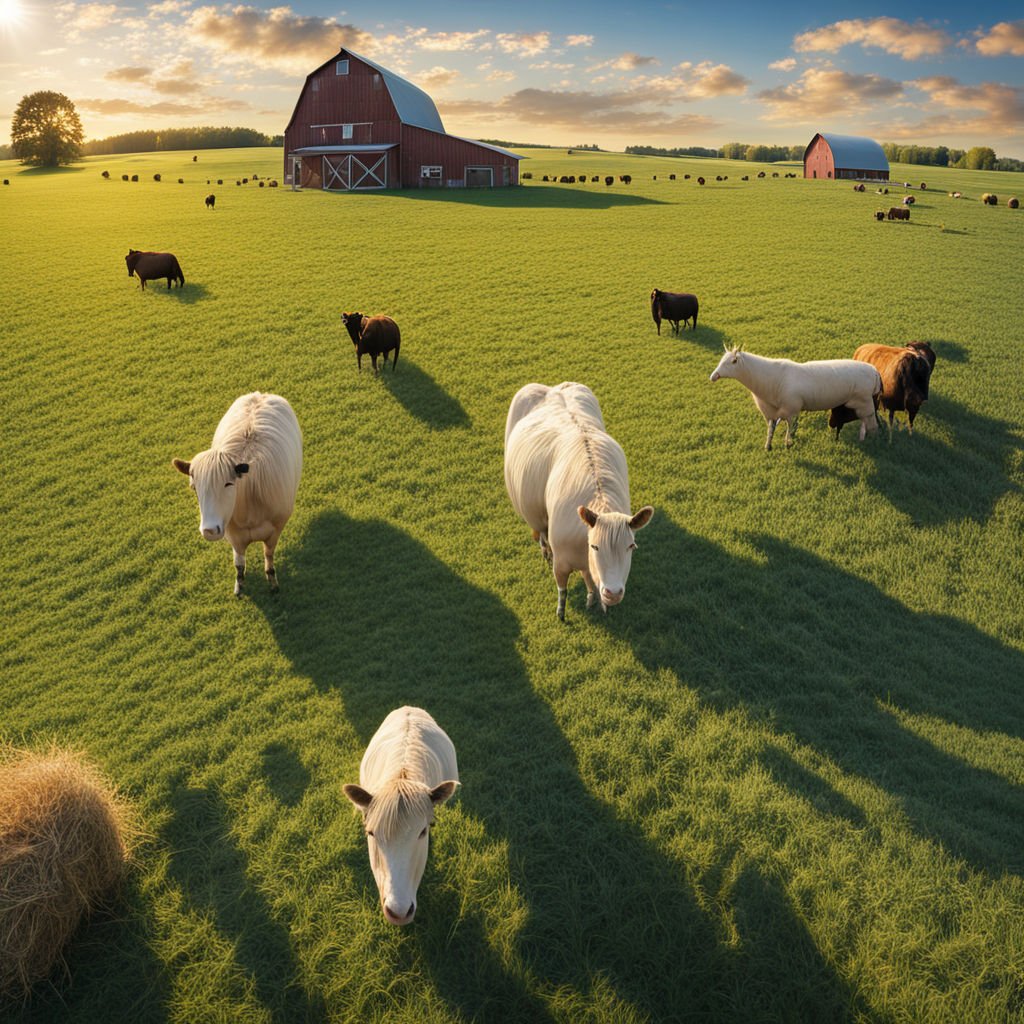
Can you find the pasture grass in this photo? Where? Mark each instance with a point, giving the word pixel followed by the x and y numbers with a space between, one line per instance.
pixel 782 781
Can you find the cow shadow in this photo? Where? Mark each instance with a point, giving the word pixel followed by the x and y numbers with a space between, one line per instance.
pixel 541 195
pixel 947 351
pixel 287 777
pixel 211 871
pixel 372 615
pixel 424 398
pixel 187 296
pixel 828 658
pixel 934 482
pixel 112 973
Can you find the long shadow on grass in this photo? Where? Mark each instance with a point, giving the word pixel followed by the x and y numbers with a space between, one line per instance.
pixel 544 196
pixel 827 657
pixel 112 974
pixel 211 871
pixel 187 296
pixel 424 398
pixel 372 614
pixel 933 482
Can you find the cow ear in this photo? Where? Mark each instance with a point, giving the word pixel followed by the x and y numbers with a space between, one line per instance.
pixel 642 518
pixel 440 794
pixel 182 466
pixel 358 796
pixel 241 469
pixel 590 518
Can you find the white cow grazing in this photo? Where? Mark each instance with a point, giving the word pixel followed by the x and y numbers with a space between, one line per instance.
pixel 782 389
pixel 568 479
pixel 409 768
pixel 246 480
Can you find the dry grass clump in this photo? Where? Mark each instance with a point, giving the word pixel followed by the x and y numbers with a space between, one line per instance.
pixel 65 838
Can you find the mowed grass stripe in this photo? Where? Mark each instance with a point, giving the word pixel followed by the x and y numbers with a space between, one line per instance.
pixel 779 782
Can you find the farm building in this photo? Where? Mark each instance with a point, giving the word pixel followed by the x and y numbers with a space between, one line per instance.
pixel 845 156
pixel 357 125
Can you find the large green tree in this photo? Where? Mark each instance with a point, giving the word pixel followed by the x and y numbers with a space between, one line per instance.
pixel 45 130
pixel 981 158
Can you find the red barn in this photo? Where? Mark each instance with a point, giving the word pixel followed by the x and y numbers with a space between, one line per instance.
pixel 845 156
pixel 359 126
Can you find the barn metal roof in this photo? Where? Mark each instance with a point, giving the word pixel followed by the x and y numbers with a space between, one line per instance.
pixel 487 145
pixel 854 152
pixel 319 150
pixel 414 106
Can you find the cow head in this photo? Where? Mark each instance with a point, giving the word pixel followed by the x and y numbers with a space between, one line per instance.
pixel 397 820
pixel 610 547
pixel 729 364
pixel 213 476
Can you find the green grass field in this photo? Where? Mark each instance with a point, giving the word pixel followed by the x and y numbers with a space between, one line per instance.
pixel 783 781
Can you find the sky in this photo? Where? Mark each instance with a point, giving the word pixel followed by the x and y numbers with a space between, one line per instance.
pixel 561 73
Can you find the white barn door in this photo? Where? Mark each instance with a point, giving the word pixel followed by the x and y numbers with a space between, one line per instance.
pixel 344 172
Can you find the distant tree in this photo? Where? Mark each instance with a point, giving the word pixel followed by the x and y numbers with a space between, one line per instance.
pixel 796 152
pixel 735 150
pixel 45 130
pixel 981 158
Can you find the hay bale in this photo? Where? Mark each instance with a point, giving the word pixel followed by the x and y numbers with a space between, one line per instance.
pixel 989 199
pixel 65 838
pixel 1013 202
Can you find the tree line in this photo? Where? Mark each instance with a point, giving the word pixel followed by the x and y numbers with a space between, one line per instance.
pixel 180 139
pixel 978 158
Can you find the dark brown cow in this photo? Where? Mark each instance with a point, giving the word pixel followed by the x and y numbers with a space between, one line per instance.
pixel 905 374
pixel 899 213
pixel 147 266
pixel 373 336
pixel 673 307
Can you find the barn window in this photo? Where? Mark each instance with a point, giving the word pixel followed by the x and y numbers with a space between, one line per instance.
pixel 431 171
pixel 341 68
pixel 315 85
pixel 479 177
pixel 346 131
pixel 377 82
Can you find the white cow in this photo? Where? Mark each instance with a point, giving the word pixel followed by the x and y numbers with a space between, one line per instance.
pixel 782 389
pixel 568 479
pixel 246 480
pixel 409 768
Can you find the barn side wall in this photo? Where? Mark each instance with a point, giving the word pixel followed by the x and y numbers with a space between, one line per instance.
pixel 422 148
pixel 818 162
pixel 360 98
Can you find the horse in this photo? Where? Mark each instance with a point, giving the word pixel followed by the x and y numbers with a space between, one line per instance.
pixel 247 479
pixel 409 768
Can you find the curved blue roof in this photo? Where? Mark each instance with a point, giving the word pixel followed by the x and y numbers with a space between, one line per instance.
pixel 855 152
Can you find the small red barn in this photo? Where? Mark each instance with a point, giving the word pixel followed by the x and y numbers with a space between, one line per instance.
pixel 845 156
pixel 357 125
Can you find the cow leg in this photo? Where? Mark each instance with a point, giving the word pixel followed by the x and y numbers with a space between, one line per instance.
pixel 911 413
pixel 591 590
pixel 562 582
pixel 239 568
pixel 359 360
pixel 791 426
pixel 269 547
pixel 168 282
pixel 772 424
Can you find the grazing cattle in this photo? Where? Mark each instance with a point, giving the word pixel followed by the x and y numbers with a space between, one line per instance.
pixel 908 200
pixel 594 178
pixel 899 213
pixel 782 389
pixel 746 177
pixel 210 200
pixel 671 177
pixel 718 177
pixel 686 177
pixel 760 174
pixel 700 181
pixel 673 307
pixel 156 177
pixel 990 199
pixel 955 195
pixel 880 215
pixel 609 180
pixel 246 480
pixel 905 374
pixel 567 479
pixel 373 336
pixel 627 178
pixel 105 174
pixel 147 266
pixel 408 770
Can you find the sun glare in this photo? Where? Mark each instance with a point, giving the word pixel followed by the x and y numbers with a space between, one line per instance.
pixel 10 12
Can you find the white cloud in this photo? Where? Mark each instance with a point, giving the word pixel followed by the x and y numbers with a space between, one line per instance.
pixel 524 44
pixel 786 64
pixel 1005 38
pixel 579 40
pixel 821 92
pixel 910 42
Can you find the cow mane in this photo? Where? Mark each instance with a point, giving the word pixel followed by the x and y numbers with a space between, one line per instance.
pixel 258 434
pixel 396 805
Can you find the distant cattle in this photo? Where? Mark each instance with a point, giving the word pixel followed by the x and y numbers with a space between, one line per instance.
pixel 609 180
pixel 700 181
pixel 149 266
pixel 899 213
pixel 671 177
pixel 675 307
pixel 373 336
pixel 210 201
pixel 746 177
pixel 760 174
pixel 880 215
pixel 908 200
